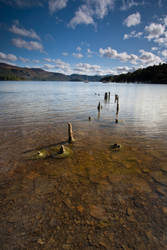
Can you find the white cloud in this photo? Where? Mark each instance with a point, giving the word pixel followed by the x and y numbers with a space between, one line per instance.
pixel 127 4
pixel 148 58
pixel 77 55
pixel 102 7
pixel 35 61
pixel 162 41
pixel 49 60
pixel 65 54
pixel 92 9
pixel 24 60
pixel 145 57
pixel 165 21
pixel 82 16
pixel 23 32
pixel 124 69
pixel 154 48
pixel 7 57
pixel 59 66
pixel 133 19
pixel 164 53
pixel 90 53
pixel 132 34
pixel 91 69
pixel 55 5
pixel 112 53
pixel 31 45
pixel 78 49
pixel 49 66
pixel 154 30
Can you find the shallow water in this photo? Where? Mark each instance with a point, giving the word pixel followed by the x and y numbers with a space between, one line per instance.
pixel 97 198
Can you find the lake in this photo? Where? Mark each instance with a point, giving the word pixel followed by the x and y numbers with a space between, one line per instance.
pixel 99 197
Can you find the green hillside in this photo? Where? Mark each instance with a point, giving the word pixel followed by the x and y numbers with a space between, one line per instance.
pixel 10 72
pixel 152 74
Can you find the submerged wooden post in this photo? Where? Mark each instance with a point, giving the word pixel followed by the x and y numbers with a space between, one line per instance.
pixel 117 110
pixel 70 133
pixel 117 98
pixel 99 107
pixel 105 96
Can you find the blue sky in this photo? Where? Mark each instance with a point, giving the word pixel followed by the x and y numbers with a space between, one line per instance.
pixel 83 36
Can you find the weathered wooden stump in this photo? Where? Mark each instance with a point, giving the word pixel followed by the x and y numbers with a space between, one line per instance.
pixel 117 109
pixel 70 133
pixel 116 98
pixel 99 107
pixel 105 96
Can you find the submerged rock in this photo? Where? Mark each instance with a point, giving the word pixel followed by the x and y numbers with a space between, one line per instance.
pixel 58 152
pixel 97 212
pixel 115 147
pixel 159 177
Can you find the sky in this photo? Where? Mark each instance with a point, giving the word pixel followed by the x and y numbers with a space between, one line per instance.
pixel 93 37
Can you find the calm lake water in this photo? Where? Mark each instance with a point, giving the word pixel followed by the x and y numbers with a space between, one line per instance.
pixel 98 198
pixel 142 106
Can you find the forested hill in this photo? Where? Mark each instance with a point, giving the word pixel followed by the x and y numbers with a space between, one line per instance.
pixel 152 74
pixel 10 72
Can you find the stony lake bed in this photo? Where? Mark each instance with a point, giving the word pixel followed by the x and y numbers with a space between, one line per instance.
pixel 97 198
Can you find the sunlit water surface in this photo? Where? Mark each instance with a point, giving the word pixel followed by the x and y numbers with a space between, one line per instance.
pixel 97 198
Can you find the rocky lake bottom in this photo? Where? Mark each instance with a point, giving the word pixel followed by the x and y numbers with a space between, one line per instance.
pixel 97 198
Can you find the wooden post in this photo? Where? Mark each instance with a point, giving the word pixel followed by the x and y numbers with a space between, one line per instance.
pixel 105 96
pixel 117 110
pixel 117 98
pixel 70 133
pixel 99 107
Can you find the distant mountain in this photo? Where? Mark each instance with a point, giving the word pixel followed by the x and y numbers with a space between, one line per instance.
pixel 10 72
pixel 152 74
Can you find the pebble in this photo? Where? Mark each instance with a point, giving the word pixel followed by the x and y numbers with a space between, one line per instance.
pixel 97 212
